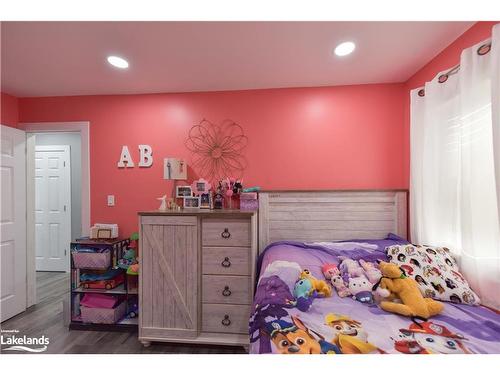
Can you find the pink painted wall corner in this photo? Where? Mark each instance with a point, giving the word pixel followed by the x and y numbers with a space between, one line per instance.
pixel 9 112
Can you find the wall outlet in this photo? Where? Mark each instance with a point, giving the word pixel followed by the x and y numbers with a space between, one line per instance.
pixel 111 200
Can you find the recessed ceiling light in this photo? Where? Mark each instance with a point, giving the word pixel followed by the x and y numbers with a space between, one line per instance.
pixel 118 62
pixel 344 49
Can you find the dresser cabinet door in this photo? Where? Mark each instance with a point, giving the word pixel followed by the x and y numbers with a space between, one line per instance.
pixel 168 277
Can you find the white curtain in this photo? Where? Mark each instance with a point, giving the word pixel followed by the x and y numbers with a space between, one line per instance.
pixel 455 167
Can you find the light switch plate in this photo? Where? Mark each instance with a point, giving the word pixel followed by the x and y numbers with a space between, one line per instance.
pixel 111 200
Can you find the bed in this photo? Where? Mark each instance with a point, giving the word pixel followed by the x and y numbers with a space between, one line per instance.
pixel 306 230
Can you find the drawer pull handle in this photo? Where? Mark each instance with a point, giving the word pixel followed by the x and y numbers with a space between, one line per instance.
pixel 226 321
pixel 226 263
pixel 226 292
pixel 226 233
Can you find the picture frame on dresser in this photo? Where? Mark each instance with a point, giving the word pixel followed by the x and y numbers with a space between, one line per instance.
pixel 182 191
pixel 191 202
pixel 206 201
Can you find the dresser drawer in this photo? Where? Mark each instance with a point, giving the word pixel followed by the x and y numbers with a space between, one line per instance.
pixel 226 289
pixel 226 260
pixel 225 318
pixel 226 232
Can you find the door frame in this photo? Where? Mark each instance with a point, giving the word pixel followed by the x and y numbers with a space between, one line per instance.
pixel 20 221
pixel 66 149
pixel 81 127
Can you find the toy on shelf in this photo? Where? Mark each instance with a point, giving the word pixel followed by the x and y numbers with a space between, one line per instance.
pixel 134 241
pixel 133 308
pixel 105 284
pixel 395 285
pixel 101 275
pixel 128 259
pixel 231 188
pixel 219 197
pixel 228 192
pixel 163 205
pixel 238 186
pixel 129 256
pixel 133 269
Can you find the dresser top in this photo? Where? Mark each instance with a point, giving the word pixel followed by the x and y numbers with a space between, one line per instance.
pixel 197 212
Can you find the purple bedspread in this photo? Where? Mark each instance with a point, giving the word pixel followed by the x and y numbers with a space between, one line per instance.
pixel 343 325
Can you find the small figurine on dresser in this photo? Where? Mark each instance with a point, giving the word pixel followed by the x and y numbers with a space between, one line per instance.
pixel 231 189
pixel 219 197
pixel 228 188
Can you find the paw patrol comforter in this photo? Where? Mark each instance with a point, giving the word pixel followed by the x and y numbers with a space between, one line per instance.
pixel 282 323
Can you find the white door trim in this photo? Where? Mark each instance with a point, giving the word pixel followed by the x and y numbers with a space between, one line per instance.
pixel 65 225
pixel 30 221
pixel 44 127
pixel 13 229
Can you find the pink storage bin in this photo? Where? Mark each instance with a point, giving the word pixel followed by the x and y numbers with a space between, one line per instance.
pixel 102 315
pixel 249 202
pixel 92 261
pixel 98 300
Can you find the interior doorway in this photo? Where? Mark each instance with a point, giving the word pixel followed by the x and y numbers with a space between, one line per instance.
pixel 56 182
pixel 53 198
pixel 58 199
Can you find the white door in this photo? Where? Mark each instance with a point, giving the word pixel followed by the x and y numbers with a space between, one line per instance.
pixel 52 207
pixel 13 222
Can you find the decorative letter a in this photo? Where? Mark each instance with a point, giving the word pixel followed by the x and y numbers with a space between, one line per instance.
pixel 125 159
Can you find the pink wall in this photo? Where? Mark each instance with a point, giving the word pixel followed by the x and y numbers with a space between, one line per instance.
pixel 446 59
pixel 9 114
pixel 347 137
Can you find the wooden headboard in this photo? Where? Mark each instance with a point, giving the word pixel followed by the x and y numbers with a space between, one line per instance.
pixel 331 215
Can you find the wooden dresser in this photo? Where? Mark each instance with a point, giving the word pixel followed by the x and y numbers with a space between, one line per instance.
pixel 197 276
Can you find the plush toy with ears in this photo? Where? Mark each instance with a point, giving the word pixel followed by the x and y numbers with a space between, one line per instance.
pixel 320 286
pixel 398 286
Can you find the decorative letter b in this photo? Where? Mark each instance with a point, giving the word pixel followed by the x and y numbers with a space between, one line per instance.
pixel 146 156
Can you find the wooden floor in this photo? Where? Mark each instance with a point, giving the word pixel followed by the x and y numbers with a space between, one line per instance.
pixel 46 318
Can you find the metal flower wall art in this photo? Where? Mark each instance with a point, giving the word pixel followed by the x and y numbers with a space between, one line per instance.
pixel 217 150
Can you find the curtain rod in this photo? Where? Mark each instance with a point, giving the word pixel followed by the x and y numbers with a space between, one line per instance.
pixel 481 51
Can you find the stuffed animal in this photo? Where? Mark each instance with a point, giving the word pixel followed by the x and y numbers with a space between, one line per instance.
pixel 303 289
pixel 350 268
pixel 361 289
pixel 320 286
pixel 339 285
pixel 371 271
pixel 329 270
pixel 403 288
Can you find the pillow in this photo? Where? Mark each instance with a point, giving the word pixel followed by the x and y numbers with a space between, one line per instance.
pixel 436 272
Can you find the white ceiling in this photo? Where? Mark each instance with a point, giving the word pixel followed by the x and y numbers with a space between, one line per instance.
pixel 69 58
